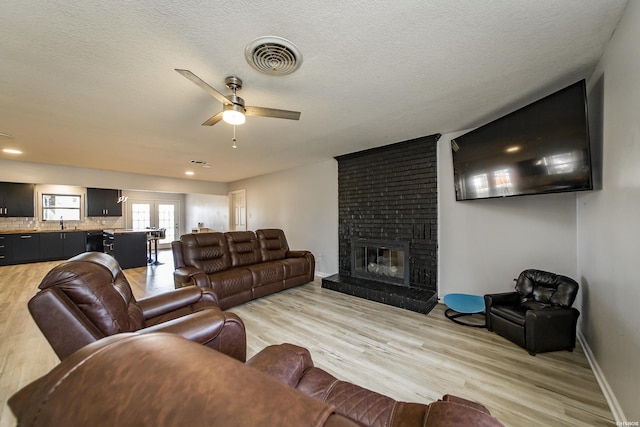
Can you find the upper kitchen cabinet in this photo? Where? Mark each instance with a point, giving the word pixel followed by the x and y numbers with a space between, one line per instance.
pixel 16 199
pixel 103 202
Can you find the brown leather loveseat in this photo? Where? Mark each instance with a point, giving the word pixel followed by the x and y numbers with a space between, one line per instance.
pixel 164 380
pixel 88 298
pixel 239 266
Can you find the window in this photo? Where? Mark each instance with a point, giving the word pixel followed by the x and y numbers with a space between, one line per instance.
pixel 61 206
pixel 140 216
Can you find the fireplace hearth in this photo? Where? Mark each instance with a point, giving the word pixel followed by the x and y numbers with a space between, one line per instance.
pixel 413 299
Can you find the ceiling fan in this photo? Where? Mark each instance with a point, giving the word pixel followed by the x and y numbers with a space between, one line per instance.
pixel 233 108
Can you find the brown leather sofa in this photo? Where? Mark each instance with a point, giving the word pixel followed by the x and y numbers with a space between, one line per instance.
pixel 240 266
pixel 164 380
pixel 88 298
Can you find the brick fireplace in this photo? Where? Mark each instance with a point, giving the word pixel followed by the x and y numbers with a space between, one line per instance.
pixel 388 223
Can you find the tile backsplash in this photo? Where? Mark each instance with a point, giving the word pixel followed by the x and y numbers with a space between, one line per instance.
pixel 87 223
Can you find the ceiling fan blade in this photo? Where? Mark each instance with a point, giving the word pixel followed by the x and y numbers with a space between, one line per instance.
pixel 204 86
pixel 213 120
pixel 272 112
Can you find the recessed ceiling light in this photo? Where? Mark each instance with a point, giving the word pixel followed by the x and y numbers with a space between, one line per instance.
pixel 513 149
pixel 11 151
pixel 189 173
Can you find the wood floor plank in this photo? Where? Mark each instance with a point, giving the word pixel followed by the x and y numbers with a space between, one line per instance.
pixel 403 354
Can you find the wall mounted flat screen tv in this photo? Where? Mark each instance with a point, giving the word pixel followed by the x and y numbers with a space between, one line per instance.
pixel 541 148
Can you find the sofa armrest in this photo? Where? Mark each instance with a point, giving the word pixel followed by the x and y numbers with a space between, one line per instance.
pixel 504 298
pixel 463 401
pixel 173 300
pixel 551 328
pixel 187 276
pixel 296 254
pixel 211 327
pixel 285 362
pixel 452 414
pixel 310 259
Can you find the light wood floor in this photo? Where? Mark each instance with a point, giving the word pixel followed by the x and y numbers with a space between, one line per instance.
pixel 403 354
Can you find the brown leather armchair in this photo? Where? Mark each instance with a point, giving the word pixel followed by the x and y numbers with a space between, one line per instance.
pixel 538 315
pixel 159 379
pixel 88 298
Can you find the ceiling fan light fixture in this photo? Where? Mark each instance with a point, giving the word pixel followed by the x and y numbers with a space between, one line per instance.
pixel 233 114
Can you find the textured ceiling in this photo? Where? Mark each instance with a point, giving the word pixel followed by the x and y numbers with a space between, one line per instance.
pixel 91 83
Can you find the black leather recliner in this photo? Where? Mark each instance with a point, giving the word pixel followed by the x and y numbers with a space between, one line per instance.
pixel 538 316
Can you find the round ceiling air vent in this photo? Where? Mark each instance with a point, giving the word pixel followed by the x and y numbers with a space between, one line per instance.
pixel 273 55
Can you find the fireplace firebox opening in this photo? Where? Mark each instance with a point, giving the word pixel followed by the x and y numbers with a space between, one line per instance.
pixel 382 261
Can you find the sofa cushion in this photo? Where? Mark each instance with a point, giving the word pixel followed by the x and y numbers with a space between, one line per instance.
pixel 231 282
pixel 546 288
pixel 355 402
pixel 243 247
pixel 273 244
pixel 206 251
pixel 267 273
pixel 515 314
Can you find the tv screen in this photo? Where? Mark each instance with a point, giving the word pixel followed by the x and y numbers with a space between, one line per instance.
pixel 540 148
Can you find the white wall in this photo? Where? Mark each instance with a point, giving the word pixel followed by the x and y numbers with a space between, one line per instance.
pixel 212 211
pixel 609 225
pixel 485 244
pixel 304 203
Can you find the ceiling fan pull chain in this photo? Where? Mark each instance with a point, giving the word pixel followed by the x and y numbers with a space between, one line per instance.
pixel 234 137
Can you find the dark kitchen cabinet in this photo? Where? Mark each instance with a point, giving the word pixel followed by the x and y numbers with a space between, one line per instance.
pixel 26 247
pixel 75 243
pixel 62 244
pixel 16 199
pixel 103 202
pixel 6 254
pixel 130 249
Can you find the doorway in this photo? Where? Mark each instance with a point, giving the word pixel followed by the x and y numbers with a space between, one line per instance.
pixel 156 214
pixel 238 210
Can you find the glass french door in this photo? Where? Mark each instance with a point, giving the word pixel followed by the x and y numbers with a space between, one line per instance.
pixel 156 214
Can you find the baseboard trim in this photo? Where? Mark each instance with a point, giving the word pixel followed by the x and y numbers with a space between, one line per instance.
pixel 614 405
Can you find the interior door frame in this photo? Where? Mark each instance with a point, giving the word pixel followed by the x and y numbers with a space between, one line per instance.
pixel 241 223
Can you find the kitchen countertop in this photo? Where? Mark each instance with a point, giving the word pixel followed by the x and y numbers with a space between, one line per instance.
pixel 71 230
pixel 66 230
pixel 127 231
